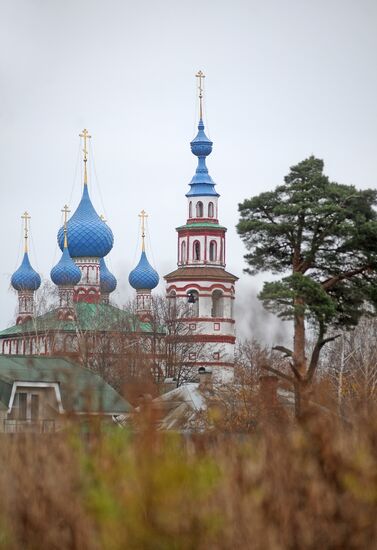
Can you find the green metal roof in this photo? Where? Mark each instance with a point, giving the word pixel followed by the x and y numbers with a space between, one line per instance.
pixel 82 391
pixel 199 225
pixel 89 317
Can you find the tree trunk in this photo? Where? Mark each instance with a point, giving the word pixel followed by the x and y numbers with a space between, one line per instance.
pixel 299 359
pixel 297 388
pixel 340 381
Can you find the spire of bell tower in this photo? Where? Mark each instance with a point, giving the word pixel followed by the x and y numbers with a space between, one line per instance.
pixel 201 184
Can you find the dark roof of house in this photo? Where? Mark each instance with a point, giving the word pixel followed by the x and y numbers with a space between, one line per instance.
pixel 89 317
pixel 195 273
pixel 82 391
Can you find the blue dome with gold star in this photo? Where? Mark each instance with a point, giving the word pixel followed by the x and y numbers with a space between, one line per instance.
pixel 66 271
pixel 143 276
pixel 25 278
pixel 108 281
pixel 88 235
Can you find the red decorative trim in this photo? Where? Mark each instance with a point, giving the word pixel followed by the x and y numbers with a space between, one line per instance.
pixel 204 295
pixel 202 220
pixel 219 363
pixel 207 320
pixel 199 287
pixel 201 231
pixel 203 338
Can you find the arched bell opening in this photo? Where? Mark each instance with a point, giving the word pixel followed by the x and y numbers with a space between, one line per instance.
pixel 217 304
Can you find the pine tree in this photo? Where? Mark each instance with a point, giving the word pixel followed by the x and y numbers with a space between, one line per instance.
pixel 321 237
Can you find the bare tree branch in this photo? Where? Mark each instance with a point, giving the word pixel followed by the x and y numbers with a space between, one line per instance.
pixel 283 349
pixel 278 373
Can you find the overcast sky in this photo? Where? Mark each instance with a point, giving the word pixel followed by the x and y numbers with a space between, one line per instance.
pixel 284 80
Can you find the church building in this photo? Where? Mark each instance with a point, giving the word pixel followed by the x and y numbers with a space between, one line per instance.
pixel 84 314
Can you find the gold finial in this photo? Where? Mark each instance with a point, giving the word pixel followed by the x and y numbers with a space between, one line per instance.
pixel 85 135
pixel 25 216
pixel 143 215
pixel 65 211
pixel 200 76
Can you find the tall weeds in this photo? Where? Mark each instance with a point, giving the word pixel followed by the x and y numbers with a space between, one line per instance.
pixel 308 486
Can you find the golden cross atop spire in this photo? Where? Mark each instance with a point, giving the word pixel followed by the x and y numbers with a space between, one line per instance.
pixel 25 217
pixel 85 135
pixel 143 215
pixel 65 211
pixel 200 76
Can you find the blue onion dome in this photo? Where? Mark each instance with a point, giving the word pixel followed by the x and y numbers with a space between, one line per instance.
pixel 201 146
pixel 88 235
pixel 25 278
pixel 201 184
pixel 108 282
pixel 66 271
pixel 143 276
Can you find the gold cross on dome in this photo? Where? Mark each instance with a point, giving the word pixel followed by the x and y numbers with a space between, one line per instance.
pixel 65 211
pixel 143 215
pixel 85 135
pixel 25 216
pixel 200 76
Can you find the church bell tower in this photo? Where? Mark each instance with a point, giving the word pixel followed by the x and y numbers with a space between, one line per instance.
pixel 201 280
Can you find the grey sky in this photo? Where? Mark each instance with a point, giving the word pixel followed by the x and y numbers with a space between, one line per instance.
pixel 285 79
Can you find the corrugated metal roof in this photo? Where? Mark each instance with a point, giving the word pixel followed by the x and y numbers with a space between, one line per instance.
pixel 89 317
pixel 82 390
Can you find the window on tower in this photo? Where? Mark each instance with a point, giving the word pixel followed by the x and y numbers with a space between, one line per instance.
pixel 212 251
pixel 183 252
pixel 190 210
pixel 172 304
pixel 217 303
pixel 199 209
pixel 196 250
pixel 210 210
pixel 193 300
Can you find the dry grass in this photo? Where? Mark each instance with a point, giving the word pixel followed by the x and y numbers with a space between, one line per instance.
pixel 312 486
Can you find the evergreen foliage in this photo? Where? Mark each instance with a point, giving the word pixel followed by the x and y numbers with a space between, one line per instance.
pixel 321 237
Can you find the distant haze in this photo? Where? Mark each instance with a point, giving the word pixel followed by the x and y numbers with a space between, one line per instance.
pixel 284 80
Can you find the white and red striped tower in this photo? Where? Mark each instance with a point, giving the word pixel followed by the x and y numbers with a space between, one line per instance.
pixel 201 280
